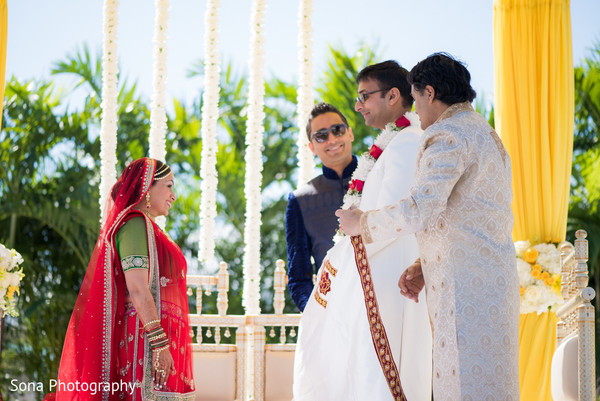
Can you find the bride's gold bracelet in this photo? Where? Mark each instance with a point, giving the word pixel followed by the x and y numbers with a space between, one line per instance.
pixel 152 322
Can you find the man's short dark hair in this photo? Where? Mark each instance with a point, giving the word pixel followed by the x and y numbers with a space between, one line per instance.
pixel 448 76
pixel 389 74
pixel 322 108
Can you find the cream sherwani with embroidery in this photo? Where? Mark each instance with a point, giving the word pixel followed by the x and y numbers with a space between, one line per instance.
pixel 335 355
pixel 459 208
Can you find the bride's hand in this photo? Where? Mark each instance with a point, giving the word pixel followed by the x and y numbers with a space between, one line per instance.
pixel 163 369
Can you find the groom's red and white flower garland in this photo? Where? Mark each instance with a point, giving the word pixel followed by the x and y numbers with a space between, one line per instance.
pixel 368 159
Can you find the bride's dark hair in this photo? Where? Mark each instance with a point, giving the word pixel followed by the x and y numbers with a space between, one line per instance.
pixel 135 169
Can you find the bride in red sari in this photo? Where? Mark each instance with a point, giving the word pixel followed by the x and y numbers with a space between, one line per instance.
pixel 129 335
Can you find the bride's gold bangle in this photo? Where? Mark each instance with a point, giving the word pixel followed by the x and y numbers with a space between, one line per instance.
pixel 152 322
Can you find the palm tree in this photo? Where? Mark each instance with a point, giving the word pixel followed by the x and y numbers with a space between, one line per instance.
pixel 47 215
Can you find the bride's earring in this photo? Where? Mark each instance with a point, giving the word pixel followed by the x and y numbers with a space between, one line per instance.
pixel 148 200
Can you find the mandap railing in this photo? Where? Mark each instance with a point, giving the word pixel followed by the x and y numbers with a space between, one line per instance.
pixel 242 357
pixel 574 363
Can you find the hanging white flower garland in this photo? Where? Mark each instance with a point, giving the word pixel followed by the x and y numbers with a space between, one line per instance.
pixel 210 115
pixel 158 116
pixel 254 164
pixel 306 161
pixel 108 122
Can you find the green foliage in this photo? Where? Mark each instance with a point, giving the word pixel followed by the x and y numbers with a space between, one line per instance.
pixel 84 65
pixel 584 208
pixel 487 112
pixel 584 204
pixel 49 212
pixel 587 102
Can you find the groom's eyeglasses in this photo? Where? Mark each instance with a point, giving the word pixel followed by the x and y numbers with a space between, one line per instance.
pixel 362 97
pixel 323 134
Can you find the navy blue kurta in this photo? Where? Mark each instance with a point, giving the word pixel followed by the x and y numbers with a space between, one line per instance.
pixel 310 224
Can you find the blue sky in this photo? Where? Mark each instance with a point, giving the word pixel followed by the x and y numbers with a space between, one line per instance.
pixel 42 31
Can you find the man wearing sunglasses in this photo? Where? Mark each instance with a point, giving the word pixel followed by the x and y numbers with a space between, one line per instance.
pixel 339 353
pixel 310 221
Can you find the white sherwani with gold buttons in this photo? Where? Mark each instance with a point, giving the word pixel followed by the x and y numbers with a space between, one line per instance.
pixel 459 208
pixel 336 357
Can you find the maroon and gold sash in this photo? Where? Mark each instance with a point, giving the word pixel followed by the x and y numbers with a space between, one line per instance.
pixel 378 334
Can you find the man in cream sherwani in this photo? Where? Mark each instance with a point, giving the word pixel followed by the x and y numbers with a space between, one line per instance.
pixel 337 351
pixel 459 208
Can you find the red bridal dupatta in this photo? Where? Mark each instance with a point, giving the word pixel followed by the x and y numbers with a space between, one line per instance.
pixel 106 354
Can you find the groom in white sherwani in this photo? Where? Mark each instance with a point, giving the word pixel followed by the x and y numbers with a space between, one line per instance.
pixel 358 333
pixel 460 210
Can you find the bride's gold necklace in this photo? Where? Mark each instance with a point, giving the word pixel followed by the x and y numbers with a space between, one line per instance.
pixel 152 217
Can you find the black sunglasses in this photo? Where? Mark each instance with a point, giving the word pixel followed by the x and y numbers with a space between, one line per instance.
pixel 362 97
pixel 323 134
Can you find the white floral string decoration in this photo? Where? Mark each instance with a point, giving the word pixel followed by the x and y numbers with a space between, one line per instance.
pixel 108 122
pixel 10 278
pixel 158 116
pixel 253 158
pixel 210 115
pixel 539 276
pixel 306 161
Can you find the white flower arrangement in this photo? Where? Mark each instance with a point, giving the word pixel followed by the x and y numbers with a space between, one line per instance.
pixel 254 163
pixel 538 267
pixel 158 115
pixel 108 122
pixel 210 115
pixel 306 161
pixel 10 278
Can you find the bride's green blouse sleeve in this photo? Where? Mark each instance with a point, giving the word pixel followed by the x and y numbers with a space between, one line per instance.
pixel 132 244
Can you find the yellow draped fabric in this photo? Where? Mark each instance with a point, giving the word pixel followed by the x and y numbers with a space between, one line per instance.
pixel 537 341
pixel 3 31
pixel 534 106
